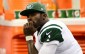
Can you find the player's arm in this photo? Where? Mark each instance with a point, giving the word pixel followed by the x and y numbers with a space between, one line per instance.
pixel 49 48
pixel 29 30
pixel 51 37
pixel 31 47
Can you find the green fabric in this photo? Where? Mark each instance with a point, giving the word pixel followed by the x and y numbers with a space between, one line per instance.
pixel 36 6
pixel 51 34
pixel 33 7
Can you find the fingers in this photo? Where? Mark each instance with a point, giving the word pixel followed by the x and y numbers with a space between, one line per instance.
pixel 31 24
pixel 25 28
pixel 26 25
pixel 28 28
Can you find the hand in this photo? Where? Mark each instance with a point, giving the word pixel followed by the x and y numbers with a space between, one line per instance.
pixel 29 29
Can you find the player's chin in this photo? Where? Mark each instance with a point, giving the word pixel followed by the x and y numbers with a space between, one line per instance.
pixel 36 25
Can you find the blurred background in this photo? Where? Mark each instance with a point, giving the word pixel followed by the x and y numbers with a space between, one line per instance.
pixel 12 41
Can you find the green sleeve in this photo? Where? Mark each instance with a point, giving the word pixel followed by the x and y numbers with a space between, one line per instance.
pixel 51 34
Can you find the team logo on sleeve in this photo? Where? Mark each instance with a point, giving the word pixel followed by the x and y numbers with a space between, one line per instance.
pixel 48 33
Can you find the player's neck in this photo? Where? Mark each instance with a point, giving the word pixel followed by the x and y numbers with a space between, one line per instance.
pixel 44 22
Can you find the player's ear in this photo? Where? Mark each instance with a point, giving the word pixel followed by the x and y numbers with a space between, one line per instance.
pixel 44 16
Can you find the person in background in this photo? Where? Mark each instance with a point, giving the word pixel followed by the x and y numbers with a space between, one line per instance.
pixel 51 36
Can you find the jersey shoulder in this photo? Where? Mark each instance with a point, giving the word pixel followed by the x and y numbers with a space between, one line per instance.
pixel 50 32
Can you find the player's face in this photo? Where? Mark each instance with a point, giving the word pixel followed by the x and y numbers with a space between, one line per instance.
pixel 36 18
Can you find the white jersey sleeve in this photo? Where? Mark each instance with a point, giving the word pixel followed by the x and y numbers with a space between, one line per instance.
pixel 49 48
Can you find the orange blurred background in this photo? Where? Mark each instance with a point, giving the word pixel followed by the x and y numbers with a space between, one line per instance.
pixel 12 39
